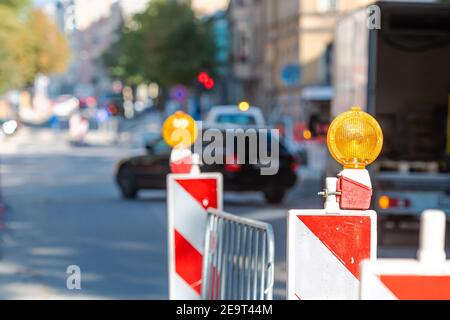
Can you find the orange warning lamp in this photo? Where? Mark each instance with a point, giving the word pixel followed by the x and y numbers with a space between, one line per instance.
pixel 355 139
pixel 179 130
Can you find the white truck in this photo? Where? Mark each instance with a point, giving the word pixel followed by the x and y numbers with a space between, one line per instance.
pixel 400 74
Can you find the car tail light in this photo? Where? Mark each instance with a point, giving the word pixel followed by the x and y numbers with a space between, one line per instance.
pixel 385 202
pixel 113 109
pixel 232 165
pixel 294 166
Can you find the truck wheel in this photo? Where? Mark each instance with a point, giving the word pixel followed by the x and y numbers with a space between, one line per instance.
pixel 274 196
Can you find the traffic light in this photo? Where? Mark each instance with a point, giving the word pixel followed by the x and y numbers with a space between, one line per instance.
pixel 206 80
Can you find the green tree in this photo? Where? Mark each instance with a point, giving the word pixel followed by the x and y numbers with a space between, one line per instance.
pixel 30 44
pixel 15 66
pixel 50 50
pixel 15 4
pixel 166 43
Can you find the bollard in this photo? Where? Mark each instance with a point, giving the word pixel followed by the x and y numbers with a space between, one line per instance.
pixel 432 237
pixel 428 277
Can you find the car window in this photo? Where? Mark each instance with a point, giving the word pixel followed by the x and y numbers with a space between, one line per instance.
pixel 161 148
pixel 242 119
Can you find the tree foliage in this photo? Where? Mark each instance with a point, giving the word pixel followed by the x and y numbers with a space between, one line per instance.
pixel 30 44
pixel 15 68
pixel 166 44
pixel 15 4
pixel 50 48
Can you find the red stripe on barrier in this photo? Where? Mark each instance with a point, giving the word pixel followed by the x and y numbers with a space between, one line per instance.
pixel 188 262
pixel 204 191
pixel 418 287
pixel 347 237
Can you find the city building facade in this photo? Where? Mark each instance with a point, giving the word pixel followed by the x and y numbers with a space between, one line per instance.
pixel 282 54
pixel 91 27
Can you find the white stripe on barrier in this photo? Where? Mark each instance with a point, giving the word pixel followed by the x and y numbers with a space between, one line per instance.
pixel 378 289
pixel 182 287
pixel 192 211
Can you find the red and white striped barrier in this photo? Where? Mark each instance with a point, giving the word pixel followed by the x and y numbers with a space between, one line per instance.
pixel 188 198
pixel 410 279
pixel 325 248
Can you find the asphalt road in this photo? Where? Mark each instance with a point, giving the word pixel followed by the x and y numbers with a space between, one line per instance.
pixel 64 209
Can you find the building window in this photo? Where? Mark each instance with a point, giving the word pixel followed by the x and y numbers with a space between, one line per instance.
pixel 243 47
pixel 327 5
pixel 242 44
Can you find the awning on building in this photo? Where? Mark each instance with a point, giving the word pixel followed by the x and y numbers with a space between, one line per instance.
pixel 317 93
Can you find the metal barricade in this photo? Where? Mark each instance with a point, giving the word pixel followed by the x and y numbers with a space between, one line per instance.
pixel 238 261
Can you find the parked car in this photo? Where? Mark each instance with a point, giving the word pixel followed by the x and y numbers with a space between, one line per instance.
pixel 149 171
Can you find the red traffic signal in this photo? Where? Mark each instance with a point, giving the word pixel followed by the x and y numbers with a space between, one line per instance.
pixel 206 80
pixel 203 77
pixel 209 84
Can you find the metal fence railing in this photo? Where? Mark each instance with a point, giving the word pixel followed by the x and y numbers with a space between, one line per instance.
pixel 238 261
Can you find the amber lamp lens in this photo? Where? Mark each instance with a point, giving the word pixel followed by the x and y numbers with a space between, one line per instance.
pixel 179 130
pixel 355 139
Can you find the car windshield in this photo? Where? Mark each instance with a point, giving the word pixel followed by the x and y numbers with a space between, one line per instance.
pixel 266 143
pixel 242 119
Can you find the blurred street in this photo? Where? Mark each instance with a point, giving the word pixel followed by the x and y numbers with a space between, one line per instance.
pixel 101 100
pixel 64 208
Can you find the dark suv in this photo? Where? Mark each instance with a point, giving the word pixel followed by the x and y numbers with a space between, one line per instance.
pixel 149 171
